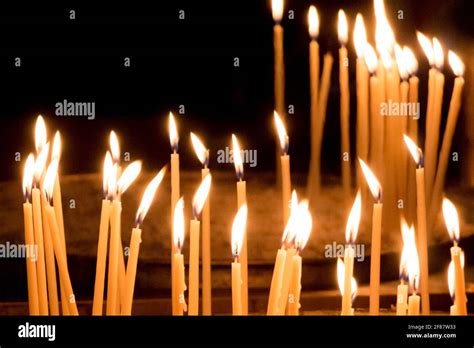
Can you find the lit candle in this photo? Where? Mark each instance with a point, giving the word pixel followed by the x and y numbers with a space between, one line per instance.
pixel 458 68
pixel 198 204
pixel 285 166
pixel 174 139
pixel 130 276
pixel 344 102
pixel 98 301
pixel 413 266
pixel 179 283
pixel 452 224
pixel 352 228
pixel 453 310
pixel 32 279
pixel 203 155
pixel 421 220
pixel 314 164
pixel 238 230
pixel 376 189
pixel 376 119
pixel 304 225
pixel 341 272
pixel 126 179
pixel 60 253
pixel 241 200
pixel 38 230
pixel 289 245
pixel 362 80
pixel 402 289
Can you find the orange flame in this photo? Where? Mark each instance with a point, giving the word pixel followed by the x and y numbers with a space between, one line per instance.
pixel 360 36
pixel 289 233
pixel 370 58
pixel 277 10
pixel 342 27
pixel 201 152
pixel 456 64
pixel 49 179
pixel 341 270
pixel 427 47
pixel 281 130
pixel 128 176
pixel 174 137
pixel 148 196
pixel 304 224
pixel 108 166
pixel 415 151
pixel 40 164
pixel 238 163
pixel 40 134
pixel 438 54
pixel 114 147
pixel 410 60
pixel 178 224
pixel 374 184
pixel 451 219
pixel 352 226
pixel 28 177
pixel 401 62
pixel 201 196
pixel 313 22
pixel 238 230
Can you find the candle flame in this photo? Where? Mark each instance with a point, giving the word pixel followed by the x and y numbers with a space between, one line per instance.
pixel 201 151
pixel 341 270
pixel 438 54
pixel 451 218
pixel 456 64
pixel 201 196
pixel 40 134
pixel 238 230
pixel 384 36
pixel 370 58
pixel 386 58
pixel 415 151
pixel 239 167
pixel 40 164
pixel 277 10
pixel 427 47
pixel 148 196
pixel 112 182
pixel 408 241
pixel 304 224
pixel 410 60
pixel 178 224
pixel 313 22
pixel 289 233
pixel 56 152
pixel 174 137
pixel 28 177
pixel 413 262
pixel 114 147
pixel 352 226
pixel 360 36
pixel 342 27
pixel 282 135
pixel 108 167
pixel 451 280
pixel 49 179
pixel 401 62
pixel 128 176
pixel 372 181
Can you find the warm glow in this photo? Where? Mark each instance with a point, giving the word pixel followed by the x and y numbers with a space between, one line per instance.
pixel 374 184
pixel 456 64
pixel 56 152
pixel 289 234
pixel 451 279
pixel 114 147
pixel 282 135
pixel 40 134
pixel 112 182
pixel 342 27
pixel 387 61
pixel 413 262
pixel 148 196
pixel 277 10
pixel 313 22
pixel 28 176
pixel 200 149
pixel 410 60
pixel 401 62
pixel 415 151
pixel 408 236
pixel 427 47
pixel 341 270
pixel 352 226
pixel 174 137
pixel 49 179
pixel 201 196
pixel 128 176
pixel 239 167
pixel 40 164
pixel 108 167
pixel 360 36
pixel 303 225
pixel 370 58
pixel 178 225
pixel 438 54
pixel 451 219
pixel 238 230
pixel 384 36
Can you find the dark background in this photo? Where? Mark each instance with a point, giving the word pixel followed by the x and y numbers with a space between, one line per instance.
pixel 186 62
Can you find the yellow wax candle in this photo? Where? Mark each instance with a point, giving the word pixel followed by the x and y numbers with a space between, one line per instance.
pixel 179 284
pixel 285 286
pixel 129 287
pixel 120 274
pixel 314 166
pixel 238 231
pixel 459 287
pixel 414 305
pixel 194 267
pixel 114 250
pixel 40 263
pixel 276 284
pixel 402 297
pixel 444 155
pixel 279 65
pixel 413 134
pixel 295 286
pixel 236 289
pixel 349 267
pixel 285 166
pixel 453 310
pixel 206 254
pixel 98 301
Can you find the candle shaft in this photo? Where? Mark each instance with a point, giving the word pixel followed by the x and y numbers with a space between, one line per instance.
pixel 402 298
pixel 206 254
pixel 349 268
pixel 375 259
pixel 279 80
pixel 345 119
pixel 362 124
pixel 376 126
pixel 130 276
pixel 179 302
pixel 236 289
pixel 114 250
pixel 414 305
pixel 459 286
pixel 295 286
pixel 402 152
pixel 277 278
pixel 286 186
pixel 120 274
pixel 33 301
pixel 285 285
pixel 413 134
pixel 194 267
pixel 174 200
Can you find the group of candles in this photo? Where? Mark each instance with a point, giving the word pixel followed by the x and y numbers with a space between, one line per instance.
pixel 379 143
